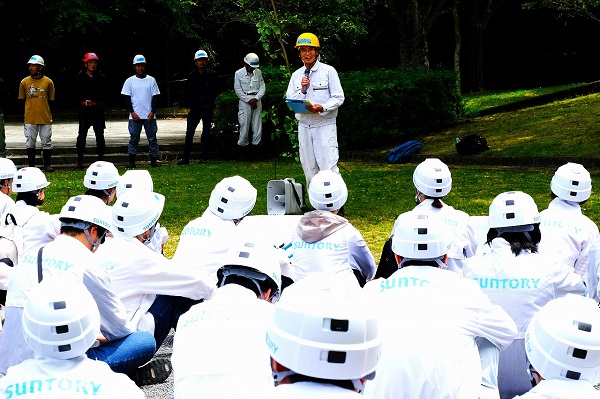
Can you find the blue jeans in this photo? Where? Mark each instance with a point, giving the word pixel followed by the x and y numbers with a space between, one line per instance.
pixel 125 355
pixel 135 129
pixel 166 311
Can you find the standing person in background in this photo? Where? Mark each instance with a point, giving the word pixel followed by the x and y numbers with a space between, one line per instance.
pixel 91 89
pixel 38 90
pixel 3 98
pixel 249 86
pixel 141 100
pixel 202 86
pixel 317 130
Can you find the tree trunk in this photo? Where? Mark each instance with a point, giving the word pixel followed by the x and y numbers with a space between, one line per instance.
pixel 413 49
pixel 457 42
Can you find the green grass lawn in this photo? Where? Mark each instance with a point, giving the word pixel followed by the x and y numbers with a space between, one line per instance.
pixel 378 192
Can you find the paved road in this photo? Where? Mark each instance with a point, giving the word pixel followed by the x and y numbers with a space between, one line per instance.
pixel 64 134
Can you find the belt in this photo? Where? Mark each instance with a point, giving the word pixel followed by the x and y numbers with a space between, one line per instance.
pixel 251 94
pixel 90 103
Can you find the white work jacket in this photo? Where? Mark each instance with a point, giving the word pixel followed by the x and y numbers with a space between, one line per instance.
pixel 248 85
pixel 219 347
pixel 74 378
pixel 522 285
pixel 567 234
pixel 562 389
pixel 312 390
pixel 325 89
pixel 39 228
pixel 204 243
pixel 429 319
pixel 139 274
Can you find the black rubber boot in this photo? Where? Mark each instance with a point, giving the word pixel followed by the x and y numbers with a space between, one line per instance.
pixel 154 162
pixel 132 160
pixel 31 156
pixel 47 154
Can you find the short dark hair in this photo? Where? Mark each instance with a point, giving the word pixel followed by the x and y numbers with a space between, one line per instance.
pixel 30 198
pixel 518 240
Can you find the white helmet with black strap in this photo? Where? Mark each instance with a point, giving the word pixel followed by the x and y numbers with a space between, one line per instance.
pixel 258 262
pixel 84 211
pixel 29 179
pixel 513 211
pixel 327 191
pixel 137 211
pixel 232 198
pixel 324 329
pixel 432 178
pixel 572 182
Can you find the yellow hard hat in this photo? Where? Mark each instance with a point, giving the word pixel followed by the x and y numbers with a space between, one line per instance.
pixel 307 39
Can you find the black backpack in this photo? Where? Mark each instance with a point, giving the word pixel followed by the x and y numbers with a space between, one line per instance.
pixel 471 145
pixel 403 152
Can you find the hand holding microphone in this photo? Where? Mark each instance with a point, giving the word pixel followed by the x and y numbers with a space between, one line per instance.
pixel 305 81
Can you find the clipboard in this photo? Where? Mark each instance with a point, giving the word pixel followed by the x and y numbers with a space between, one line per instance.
pixel 298 106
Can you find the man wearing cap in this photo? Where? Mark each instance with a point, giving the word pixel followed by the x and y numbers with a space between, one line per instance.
pixel 320 84
pixel 202 88
pixel 249 86
pixel 141 100
pixel 37 90
pixel 91 91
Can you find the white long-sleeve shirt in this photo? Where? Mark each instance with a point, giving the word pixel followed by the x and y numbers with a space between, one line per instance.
pixel 429 319
pixel 567 234
pixel 562 389
pixel 325 89
pixel 139 274
pixel 245 83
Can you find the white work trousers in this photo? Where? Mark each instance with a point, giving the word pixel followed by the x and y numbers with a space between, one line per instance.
pixel 32 131
pixel 318 149
pixel 249 118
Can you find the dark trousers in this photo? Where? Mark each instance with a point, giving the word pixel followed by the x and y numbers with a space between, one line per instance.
pixel 91 117
pixel 166 311
pixel 193 119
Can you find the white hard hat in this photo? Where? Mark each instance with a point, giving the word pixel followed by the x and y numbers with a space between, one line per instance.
pixel 200 54
pixel 60 319
pixel 432 177
pixel 29 179
pixel 232 198
pixel 252 60
pixel 7 169
pixel 136 211
pixel 36 59
pixel 139 179
pixel 139 59
pixel 421 237
pixel 327 191
pixel 572 182
pixel 87 208
pixel 101 175
pixel 513 211
pixel 563 339
pixel 255 261
pixel 324 329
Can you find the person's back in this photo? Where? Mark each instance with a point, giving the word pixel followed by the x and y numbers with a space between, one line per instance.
pixel 516 277
pixel 325 242
pixel 567 234
pixel 61 321
pixel 218 349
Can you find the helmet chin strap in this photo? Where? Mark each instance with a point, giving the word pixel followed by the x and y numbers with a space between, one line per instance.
pixel 146 241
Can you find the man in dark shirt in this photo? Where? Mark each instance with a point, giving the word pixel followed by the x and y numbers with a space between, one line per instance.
pixel 91 87
pixel 202 85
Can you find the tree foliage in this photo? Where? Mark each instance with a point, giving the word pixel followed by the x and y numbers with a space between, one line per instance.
pixel 589 9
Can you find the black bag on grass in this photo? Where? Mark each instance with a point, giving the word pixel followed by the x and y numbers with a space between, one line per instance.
pixel 471 145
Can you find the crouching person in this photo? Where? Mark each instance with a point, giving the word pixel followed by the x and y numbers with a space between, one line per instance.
pixel 61 322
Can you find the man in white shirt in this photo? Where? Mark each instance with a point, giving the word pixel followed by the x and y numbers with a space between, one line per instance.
pixel 249 86
pixel 563 349
pixel 431 320
pixel 219 346
pixel 141 100
pixel 317 130
pixel 61 322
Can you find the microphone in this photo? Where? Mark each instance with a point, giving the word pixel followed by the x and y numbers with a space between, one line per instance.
pixel 305 87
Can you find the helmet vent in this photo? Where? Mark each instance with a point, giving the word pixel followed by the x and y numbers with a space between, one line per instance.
pixel 438 181
pixel 231 189
pixel 71 208
pixel 62 329
pixel 510 215
pixel 93 182
pixel 510 202
pixel 584 326
pixel 244 255
pixel 94 173
pixel 329 205
pixel 336 357
pixel 327 183
pixel 573 194
pixel 120 218
pixel 64 348
pixel 579 353
pixel 328 195
pixel 339 325
pixel 575 183
pixel 59 305
pixel 422 247
pixel 77 199
pixel 224 200
pixel 125 204
pixel 122 230
pixel 220 210
pixel 572 375
pixel 128 185
pixel 422 231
